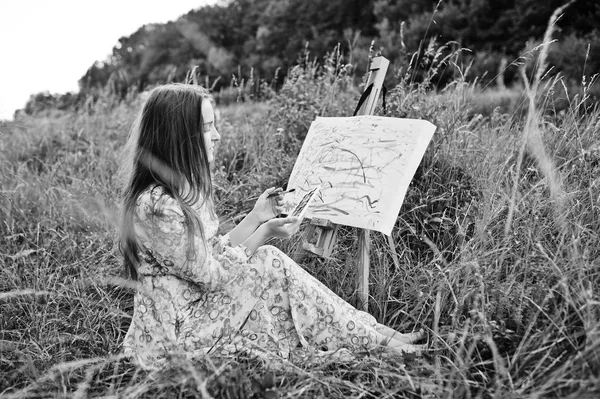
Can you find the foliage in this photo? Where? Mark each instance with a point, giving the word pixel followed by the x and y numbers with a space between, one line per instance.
pixel 313 89
pixel 576 57
pixel 44 101
pixel 510 312
pixel 264 37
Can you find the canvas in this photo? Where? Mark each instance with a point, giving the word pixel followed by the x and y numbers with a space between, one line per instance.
pixel 363 166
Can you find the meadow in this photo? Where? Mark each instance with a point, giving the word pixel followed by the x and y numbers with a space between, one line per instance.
pixel 496 250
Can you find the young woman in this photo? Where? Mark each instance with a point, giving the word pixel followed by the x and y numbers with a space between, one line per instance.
pixel 199 293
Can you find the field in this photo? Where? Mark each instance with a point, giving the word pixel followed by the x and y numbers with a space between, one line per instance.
pixel 496 251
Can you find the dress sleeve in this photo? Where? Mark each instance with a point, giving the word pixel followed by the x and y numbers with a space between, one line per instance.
pixel 163 232
pixel 222 249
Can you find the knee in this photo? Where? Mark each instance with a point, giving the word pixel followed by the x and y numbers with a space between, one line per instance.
pixel 269 249
pixel 274 255
pixel 263 253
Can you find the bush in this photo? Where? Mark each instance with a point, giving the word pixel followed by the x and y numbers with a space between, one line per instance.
pixel 576 57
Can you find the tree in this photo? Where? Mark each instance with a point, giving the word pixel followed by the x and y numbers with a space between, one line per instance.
pixel 264 36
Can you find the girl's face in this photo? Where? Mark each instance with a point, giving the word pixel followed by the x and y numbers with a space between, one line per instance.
pixel 209 131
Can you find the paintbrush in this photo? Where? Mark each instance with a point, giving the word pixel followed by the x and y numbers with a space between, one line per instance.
pixel 275 194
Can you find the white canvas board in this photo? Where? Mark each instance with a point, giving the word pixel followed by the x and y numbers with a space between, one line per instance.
pixel 363 166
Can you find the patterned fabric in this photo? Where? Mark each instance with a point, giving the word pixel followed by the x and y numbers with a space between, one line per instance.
pixel 221 300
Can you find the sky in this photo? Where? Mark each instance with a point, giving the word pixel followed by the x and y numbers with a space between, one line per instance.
pixel 50 44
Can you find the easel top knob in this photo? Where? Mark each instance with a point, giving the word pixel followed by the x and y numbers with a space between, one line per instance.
pixel 378 62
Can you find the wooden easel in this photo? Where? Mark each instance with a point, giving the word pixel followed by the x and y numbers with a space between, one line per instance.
pixel 323 231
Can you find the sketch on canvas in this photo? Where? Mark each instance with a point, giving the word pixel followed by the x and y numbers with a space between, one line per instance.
pixel 363 166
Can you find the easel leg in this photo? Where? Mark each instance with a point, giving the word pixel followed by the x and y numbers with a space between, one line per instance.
pixel 363 269
pixel 377 71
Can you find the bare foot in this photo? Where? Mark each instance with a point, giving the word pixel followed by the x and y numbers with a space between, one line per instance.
pixel 406 348
pixel 408 338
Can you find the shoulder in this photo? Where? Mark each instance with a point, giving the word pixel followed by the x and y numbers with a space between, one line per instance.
pixel 156 204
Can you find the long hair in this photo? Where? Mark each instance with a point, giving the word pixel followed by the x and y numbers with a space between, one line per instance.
pixel 166 149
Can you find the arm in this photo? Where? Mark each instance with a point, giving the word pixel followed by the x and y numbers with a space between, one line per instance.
pixel 277 228
pixel 256 239
pixel 163 234
pixel 162 229
pixel 265 209
pixel 244 229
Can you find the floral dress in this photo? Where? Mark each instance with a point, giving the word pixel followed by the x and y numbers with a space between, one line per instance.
pixel 223 299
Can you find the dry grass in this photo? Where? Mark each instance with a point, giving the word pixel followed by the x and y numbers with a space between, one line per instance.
pixel 510 312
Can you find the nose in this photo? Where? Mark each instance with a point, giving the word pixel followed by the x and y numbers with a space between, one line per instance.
pixel 215 135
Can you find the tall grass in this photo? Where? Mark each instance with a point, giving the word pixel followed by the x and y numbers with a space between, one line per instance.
pixel 510 312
